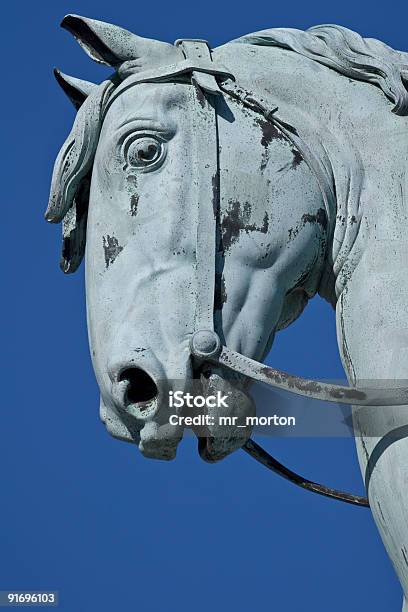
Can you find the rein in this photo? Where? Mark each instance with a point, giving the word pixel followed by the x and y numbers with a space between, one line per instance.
pixel 205 345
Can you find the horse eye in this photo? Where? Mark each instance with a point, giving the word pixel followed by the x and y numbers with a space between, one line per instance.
pixel 144 151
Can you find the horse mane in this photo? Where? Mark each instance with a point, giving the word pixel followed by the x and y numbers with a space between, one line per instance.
pixel 363 59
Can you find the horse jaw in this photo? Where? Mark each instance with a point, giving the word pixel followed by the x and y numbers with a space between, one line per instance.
pixel 229 428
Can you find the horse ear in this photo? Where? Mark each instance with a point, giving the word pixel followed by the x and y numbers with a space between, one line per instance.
pixel 77 90
pixel 111 45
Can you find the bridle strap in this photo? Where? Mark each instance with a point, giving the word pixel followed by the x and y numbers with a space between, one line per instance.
pixel 171 73
pixel 259 454
pixel 198 51
pixel 205 345
pixel 205 176
pixel 305 387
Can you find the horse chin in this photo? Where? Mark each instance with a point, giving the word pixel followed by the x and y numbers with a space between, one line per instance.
pixel 225 434
pixel 159 441
pixel 155 440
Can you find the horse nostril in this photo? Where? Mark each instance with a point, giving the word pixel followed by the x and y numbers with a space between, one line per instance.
pixel 141 387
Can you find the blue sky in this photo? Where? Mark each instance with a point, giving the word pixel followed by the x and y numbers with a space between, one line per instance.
pixel 87 515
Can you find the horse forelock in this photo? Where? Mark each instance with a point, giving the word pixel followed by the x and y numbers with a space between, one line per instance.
pixel 68 201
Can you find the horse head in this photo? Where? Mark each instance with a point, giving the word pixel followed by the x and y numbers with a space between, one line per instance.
pixel 192 205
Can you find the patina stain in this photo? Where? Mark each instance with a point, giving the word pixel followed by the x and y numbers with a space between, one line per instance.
pixel 134 201
pixel 381 512
pixel 352 394
pixel 297 159
pixel 220 293
pixel 320 217
pixel 363 444
pixel 404 554
pixel 269 132
pixel 199 94
pixel 236 220
pixel 132 180
pixel 111 249
pixel 215 181
pixel 230 225
pixel 292 382
pixel 312 386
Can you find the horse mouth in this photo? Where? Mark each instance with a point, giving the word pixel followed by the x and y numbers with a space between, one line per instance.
pixel 225 433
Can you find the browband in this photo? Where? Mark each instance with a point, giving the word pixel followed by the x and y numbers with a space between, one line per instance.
pixel 203 72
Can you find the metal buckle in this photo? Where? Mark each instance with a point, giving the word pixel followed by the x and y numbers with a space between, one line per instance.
pixel 179 41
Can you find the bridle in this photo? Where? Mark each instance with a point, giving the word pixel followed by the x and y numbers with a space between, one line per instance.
pixel 211 79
